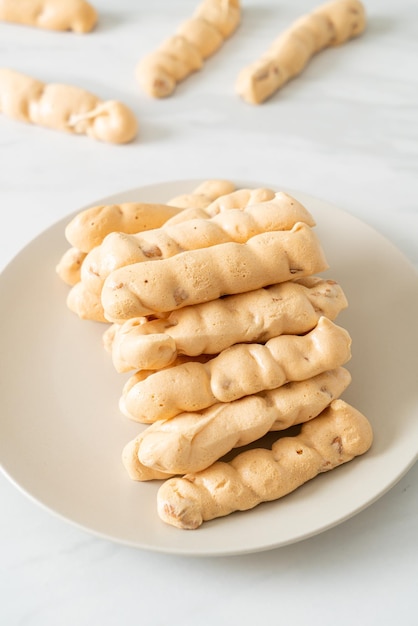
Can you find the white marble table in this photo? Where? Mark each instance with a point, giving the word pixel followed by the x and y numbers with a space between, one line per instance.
pixel 346 131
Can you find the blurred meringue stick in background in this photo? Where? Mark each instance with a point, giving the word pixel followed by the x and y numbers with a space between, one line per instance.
pixel 78 16
pixel 331 24
pixel 185 52
pixel 65 108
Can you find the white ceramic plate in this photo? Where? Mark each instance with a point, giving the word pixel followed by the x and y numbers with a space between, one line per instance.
pixel 61 433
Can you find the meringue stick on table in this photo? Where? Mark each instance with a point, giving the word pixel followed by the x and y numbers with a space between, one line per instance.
pixel 330 24
pixel 195 40
pixel 120 249
pixel 65 107
pixel 76 15
pixel 241 370
pixel 198 276
pixel 190 442
pixel 339 434
pixel 289 308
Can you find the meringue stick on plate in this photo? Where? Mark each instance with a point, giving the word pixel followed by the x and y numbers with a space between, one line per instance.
pixel 289 308
pixel 89 227
pixel 330 24
pixel 87 230
pixel 198 276
pixel 68 267
pixel 190 442
pixel 76 15
pixel 238 199
pixel 238 371
pixel 65 107
pixel 120 249
pixel 205 193
pixel 339 434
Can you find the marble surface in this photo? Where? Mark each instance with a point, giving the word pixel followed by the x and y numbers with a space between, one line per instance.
pixel 345 131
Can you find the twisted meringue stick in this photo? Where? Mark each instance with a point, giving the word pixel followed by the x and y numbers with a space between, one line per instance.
pixel 95 223
pixel 68 267
pixel 196 39
pixel 238 199
pixel 121 249
pixel 203 194
pixel 89 227
pixel 198 276
pixel 190 442
pixel 336 436
pixel 76 15
pixel 238 371
pixel 86 273
pixel 64 107
pixel 124 219
pixel 331 24
pixel 289 308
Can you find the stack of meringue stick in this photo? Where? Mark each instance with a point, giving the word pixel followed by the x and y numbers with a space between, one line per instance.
pixel 214 303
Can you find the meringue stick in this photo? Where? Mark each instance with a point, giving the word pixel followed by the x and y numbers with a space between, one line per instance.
pixel 141 375
pixel 238 199
pixel 290 308
pixel 86 304
pixel 65 107
pixel 195 40
pixel 339 434
pixel 198 276
pixel 238 371
pixel 330 24
pixel 120 249
pixel 205 193
pixel 76 15
pixel 89 227
pixel 190 442
pixel 109 255
pixel 68 267
pixel 86 232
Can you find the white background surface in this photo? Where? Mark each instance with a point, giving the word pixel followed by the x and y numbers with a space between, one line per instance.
pixel 345 131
